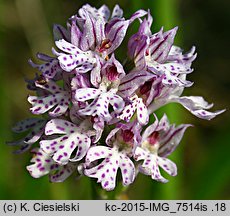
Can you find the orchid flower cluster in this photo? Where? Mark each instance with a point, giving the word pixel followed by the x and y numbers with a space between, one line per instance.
pixel 94 110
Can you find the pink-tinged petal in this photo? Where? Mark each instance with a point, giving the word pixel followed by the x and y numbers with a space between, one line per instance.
pixel 84 94
pixel 68 47
pixel 137 14
pixel 111 136
pixel 76 35
pixel 95 74
pixel 96 153
pixel 58 126
pixel 127 170
pixel 80 81
pixel 168 166
pixel 113 69
pixel 115 33
pixel 42 164
pixel 155 41
pixel 104 12
pixel 117 12
pixel 164 123
pixel 89 35
pixel 150 129
pixel 139 56
pixel 63 173
pixel 160 53
pixel 171 138
pixel 132 81
pixel 93 31
pixel 149 19
pixel 44 57
pixel 22 146
pixel 98 125
pixel 138 44
pixel 60 32
pixel 142 112
pixel 173 80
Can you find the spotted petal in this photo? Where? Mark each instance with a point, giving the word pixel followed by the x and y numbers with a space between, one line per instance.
pixel 84 94
pixel 127 169
pixel 43 104
pixel 151 163
pixel 168 166
pixel 48 69
pixel 197 105
pixel 136 104
pixel 100 105
pixel 77 59
pixel 142 112
pixel 42 164
pixel 117 12
pixel 62 172
pixel 106 171
pixel 62 147
pixel 68 47
pixel 172 80
pixel 59 126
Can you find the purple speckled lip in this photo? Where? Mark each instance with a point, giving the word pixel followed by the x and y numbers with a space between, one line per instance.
pixel 94 106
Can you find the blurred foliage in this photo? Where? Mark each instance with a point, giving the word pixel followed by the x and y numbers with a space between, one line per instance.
pixel 202 158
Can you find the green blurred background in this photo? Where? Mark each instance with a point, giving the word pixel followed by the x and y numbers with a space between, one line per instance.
pixel 203 156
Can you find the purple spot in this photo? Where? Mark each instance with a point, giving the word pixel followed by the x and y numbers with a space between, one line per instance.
pixel 106 184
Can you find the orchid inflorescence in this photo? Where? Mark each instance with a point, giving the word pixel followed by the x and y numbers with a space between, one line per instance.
pixel 95 111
